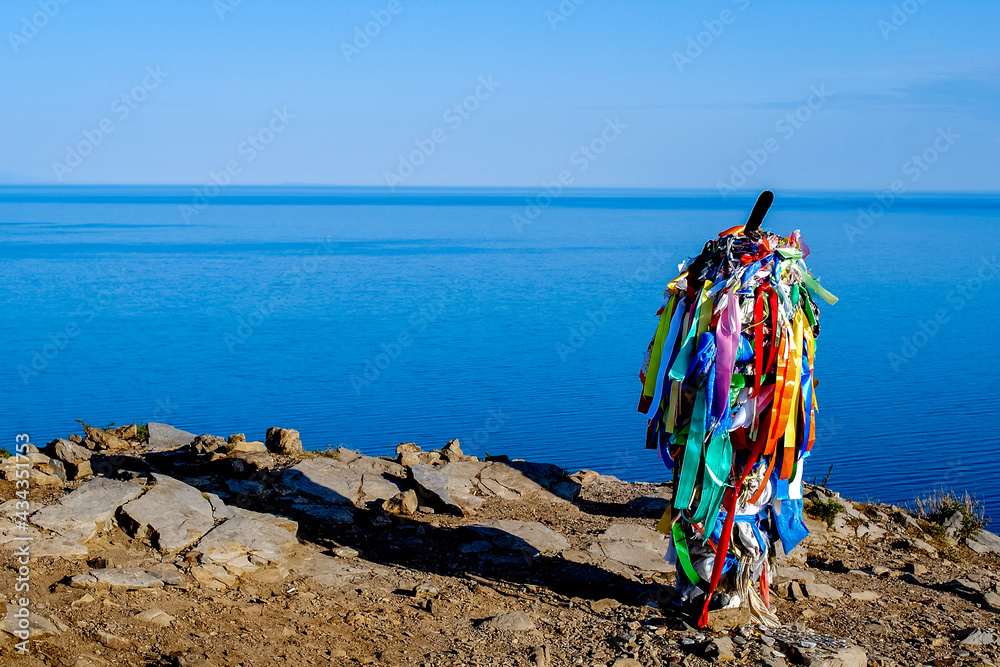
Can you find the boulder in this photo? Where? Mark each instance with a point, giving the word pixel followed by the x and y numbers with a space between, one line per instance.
pixel 520 479
pixel 432 485
pixel 163 437
pixel 283 440
pixel 452 451
pixel 131 579
pixel 236 437
pixel 81 514
pixel 171 516
pixel 324 479
pixel 102 440
pixel 66 451
pixel 126 432
pixel 521 537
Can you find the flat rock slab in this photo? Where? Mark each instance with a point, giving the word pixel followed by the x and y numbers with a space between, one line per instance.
pixel 59 547
pixel 985 543
pixel 163 437
pixel 519 479
pixel 521 536
pixel 635 546
pixel 116 579
pixel 324 479
pixel 172 515
pixel 38 626
pixel 82 513
pixel 247 542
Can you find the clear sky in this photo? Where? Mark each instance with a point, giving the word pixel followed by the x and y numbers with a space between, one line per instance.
pixel 295 93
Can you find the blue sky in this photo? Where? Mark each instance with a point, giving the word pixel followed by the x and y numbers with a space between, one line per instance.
pixel 683 115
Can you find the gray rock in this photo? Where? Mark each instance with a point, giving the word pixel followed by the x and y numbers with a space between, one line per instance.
pixel 721 649
pixel 117 579
pixel 378 486
pixel 81 514
pixel 66 451
pixel 432 485
pixel 818 591
pixel 521 536
pixel 985 543
pixel 512 621
pixel 633 545
pixel 865 596
pixel 38 626
pixel 520 479
pixel 59 547
pixel 283 440
pixel 171 515
pixel 163 437
pixel 246 542
pixel 325 479
pixel 976 637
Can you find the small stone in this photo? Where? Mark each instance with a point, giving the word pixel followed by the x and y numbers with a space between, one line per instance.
pixel 865 596
pixel 346 552
pixel 512 621
pixel 916 569
pixel 426 591
pixel 38 626
pixel 111 640
pixel 721 649
pixel 157 617
pixel 584 477
pixel 600 606
pixel 404 502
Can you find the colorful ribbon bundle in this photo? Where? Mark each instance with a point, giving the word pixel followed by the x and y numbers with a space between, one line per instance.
pixel 728 386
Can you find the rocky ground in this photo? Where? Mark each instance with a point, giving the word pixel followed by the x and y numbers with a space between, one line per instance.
pixel 168 548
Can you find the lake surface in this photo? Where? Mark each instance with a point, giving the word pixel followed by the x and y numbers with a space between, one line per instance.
pixel 368 319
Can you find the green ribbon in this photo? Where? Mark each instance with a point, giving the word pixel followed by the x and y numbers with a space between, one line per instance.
pixel 683 555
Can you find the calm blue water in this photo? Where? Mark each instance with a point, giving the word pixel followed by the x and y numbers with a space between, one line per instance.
pixel 367 321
